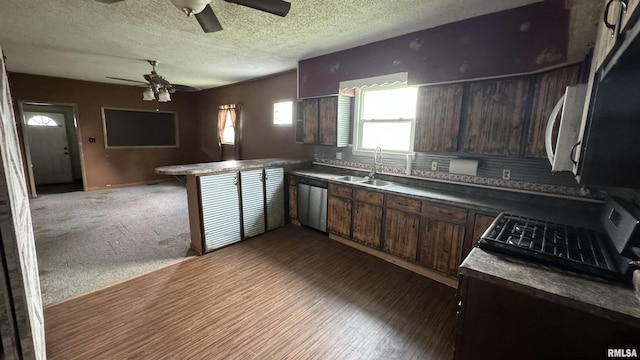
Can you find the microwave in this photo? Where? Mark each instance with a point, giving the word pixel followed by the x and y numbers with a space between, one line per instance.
pixel 561 150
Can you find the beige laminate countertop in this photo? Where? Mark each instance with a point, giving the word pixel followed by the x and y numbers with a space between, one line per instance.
pixel 601 298
pixel 220 167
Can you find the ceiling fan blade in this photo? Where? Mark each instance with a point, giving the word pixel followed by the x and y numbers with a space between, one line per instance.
pixel 109 1
pixel 208 20
pixel 276 7
pixel 185 88
pixel 129 80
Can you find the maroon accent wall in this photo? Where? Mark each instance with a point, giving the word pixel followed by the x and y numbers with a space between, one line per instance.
pixel 259 138
pixel 112 167
pixel 515 41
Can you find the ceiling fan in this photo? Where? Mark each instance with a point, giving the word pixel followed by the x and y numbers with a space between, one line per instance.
pixel 208 20
pixel 158 87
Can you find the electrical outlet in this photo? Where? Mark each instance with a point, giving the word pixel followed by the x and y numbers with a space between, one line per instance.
pixel 339 155
pixel 506 174
pixel 434 165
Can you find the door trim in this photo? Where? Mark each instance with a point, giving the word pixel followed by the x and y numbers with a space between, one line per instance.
pixel 31 184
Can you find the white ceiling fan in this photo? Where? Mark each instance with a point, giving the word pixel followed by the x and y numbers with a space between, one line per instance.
pixel 202 11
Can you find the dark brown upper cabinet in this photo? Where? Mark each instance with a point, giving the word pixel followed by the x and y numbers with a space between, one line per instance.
pixel 326 120
pixel 438 118
pixel 549 88
pixel 495 117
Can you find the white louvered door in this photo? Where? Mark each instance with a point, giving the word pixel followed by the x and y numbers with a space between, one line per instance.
pixel 275 198
pixel 220 210
pixel 252 202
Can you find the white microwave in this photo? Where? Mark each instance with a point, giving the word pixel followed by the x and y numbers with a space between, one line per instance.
pixel 571 106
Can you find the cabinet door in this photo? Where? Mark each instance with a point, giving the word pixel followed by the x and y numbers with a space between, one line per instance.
pixel 401 231
pixel 293 202
pixel 253 219
pixel 441 245
pixel 339 216
pixel 327 120
pixel 495 117
pixel 310 120
pixel 274 197
pixel 367 224
pixel 220 210
pixel 606 38
pixel 438 118
pixel 549 88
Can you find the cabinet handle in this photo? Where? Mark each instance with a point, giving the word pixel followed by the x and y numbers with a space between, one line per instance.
pixel 573 153
pixel 610 26
pixel 235 180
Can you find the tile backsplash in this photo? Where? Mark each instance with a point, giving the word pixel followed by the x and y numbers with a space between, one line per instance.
pixel 525 174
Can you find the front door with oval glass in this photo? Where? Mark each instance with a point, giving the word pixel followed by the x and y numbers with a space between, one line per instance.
pixel 49 148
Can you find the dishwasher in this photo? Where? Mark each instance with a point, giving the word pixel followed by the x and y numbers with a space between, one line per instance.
pixel 312 203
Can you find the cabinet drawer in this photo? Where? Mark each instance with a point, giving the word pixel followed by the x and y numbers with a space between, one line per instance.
pixel 445 212
pixel 340 190
pixel 366 196
pixel 403 203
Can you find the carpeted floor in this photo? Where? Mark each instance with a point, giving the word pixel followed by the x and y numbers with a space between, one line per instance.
pixel 88 240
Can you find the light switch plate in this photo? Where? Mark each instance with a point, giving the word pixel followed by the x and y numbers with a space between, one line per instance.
pixel 434 165
pixel 339 155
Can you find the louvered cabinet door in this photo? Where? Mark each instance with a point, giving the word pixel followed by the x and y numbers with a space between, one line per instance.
pixel 220 210
pixel 253 219
pixel 274 180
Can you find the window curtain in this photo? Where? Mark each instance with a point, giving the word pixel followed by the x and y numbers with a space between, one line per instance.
pixel 232 110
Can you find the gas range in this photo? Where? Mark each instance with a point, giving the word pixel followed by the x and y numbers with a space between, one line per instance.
pixel 610 254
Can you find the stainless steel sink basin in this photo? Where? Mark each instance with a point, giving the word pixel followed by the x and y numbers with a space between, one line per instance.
pixel 350 178
pixel 377 183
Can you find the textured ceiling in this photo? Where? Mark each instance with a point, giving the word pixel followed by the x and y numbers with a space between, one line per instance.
pixel 88 40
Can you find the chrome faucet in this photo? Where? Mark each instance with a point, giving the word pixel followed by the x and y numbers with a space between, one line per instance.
pixel 377 161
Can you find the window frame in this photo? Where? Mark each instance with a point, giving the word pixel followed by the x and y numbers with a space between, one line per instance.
pixel 359 122
pixel 227 120
pixel 293 113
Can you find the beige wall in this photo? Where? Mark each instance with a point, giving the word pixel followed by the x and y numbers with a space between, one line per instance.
pixel 112 167
pixel 259 138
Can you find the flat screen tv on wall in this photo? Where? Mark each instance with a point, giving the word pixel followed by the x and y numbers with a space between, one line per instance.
pixel 127 128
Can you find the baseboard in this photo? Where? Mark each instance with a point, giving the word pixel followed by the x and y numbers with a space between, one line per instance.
pixel 431 274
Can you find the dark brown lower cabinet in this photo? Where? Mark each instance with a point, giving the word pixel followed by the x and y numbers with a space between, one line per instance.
pixel 441 245
pixel 293 202
pixel 498 323
pixel 367 224
pixel 339 216
pixel 401 232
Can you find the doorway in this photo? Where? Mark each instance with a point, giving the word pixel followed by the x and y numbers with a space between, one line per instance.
pixel 52 150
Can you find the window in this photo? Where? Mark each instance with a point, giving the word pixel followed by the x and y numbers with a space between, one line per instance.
pixel 386 118
pixel 283 113
pixel 40 120
pixel 229 134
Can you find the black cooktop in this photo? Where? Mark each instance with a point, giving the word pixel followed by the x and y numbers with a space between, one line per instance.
pixel 566 247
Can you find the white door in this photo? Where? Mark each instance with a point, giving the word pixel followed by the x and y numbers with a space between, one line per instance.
pixel 220 210
pixel 49 148
pixel 252 202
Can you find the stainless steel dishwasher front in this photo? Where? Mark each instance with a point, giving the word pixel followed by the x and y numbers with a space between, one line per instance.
pixel 312 203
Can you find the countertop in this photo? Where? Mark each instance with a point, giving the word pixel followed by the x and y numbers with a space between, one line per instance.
pixel 220 167
pixel 572 212
pixel 601 298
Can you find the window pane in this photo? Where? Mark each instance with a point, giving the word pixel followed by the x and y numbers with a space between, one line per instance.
pixel 283 113
pixel 41 120
pixel 390 104
pixel 228 135
pixel 389 136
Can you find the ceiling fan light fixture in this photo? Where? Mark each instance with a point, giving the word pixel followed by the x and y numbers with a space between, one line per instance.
pixel 148 94
pixel 192 6
pixel 163 95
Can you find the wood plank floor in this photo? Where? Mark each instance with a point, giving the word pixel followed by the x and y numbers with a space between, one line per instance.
pixel 288 294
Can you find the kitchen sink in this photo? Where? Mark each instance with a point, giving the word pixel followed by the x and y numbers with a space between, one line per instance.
pixel 377 183
pixel 350 178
